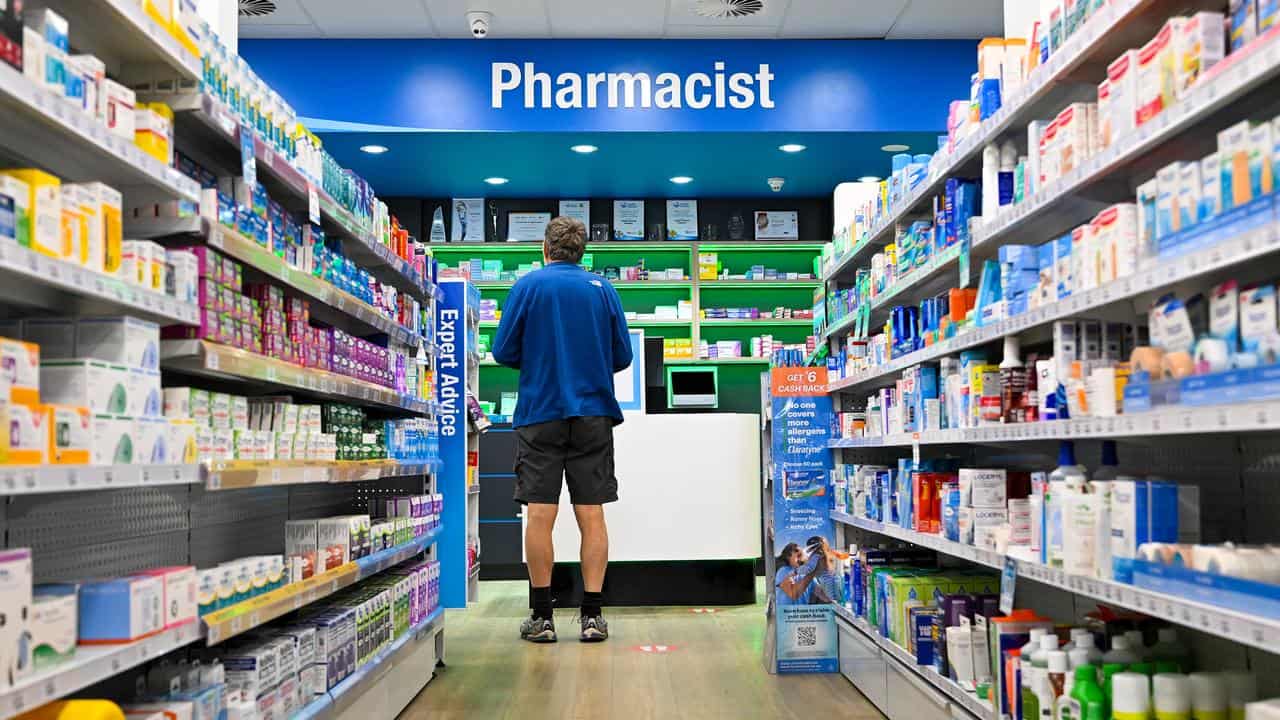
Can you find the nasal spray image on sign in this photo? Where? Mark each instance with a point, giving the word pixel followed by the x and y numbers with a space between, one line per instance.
pixel 806 571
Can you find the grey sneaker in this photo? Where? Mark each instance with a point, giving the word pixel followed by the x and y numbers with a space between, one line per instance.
pixel 594 629
pixel 538 630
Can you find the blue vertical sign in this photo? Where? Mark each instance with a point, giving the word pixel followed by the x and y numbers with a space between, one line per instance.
pixel 451 389
pixel 805 582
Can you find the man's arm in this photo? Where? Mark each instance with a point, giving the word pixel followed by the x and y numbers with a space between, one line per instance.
pixel 621 337
pixel 510 338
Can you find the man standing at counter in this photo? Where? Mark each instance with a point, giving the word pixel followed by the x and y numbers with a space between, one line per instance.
pixel 564 329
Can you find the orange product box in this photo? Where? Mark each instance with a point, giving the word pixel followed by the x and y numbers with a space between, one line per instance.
pixel 70 434
pixel 20 370
pixel 28 434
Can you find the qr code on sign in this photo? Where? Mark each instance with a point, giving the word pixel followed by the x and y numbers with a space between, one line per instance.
pixel 807 636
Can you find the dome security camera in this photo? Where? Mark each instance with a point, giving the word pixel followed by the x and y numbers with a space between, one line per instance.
pixel 776 183
pixel 478 21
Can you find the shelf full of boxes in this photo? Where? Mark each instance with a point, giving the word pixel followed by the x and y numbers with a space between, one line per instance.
pixel 729 304
pixel 222 403
pixel 1026 330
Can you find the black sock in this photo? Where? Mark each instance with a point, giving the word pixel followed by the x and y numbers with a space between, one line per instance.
pixel 591 602
pixel 540 602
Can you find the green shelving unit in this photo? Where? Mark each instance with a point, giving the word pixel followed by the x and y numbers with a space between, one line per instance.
pixel 739 377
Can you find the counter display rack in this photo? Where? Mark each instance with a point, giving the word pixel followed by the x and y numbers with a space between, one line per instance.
pixel 84 521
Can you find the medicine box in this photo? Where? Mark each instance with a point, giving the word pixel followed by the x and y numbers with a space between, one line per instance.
pixel 152 435
pixel 54 616
pixel 1233 157
pixel 1115 234
pixel 1201 44
pixel 28 434
pixel 108 203
pixel 1189 191
pixel 99 386
pixel 1155 79
pixel 120 610
pixel 1167 215
pixel 21 363
pixel 70 435
pixel 187 403
pixel 983 488
pixel 1210 188
pixel 145 396
pixel 124 341
pixel 1242 22
pixel 251 669
pixel 182 448
pixel 1119 116
pixel 113 440
pixel 44 205
pixel 179 587
pixel 116 108
pixel 20 193
pixel 15 603
pixel 1261 179
pixel 1141 511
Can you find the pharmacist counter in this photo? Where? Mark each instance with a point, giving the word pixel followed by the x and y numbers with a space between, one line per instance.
pixel 685 529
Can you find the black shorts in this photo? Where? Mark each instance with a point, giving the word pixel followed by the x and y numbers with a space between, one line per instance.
pixel 578 449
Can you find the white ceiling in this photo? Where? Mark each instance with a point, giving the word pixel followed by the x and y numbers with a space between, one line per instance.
pixel 891 19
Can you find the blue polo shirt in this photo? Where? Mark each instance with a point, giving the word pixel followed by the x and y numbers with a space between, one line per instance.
pixel 564 329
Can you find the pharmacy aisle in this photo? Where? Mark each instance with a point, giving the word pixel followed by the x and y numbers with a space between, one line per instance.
pixel 1054 396
pixel 221 469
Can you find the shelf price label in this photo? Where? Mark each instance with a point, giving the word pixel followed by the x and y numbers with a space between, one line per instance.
pixel 313 204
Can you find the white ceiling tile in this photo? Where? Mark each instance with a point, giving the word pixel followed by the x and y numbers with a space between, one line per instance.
pixel 835 19
pixel 705 31
pixel 682 12
pixel 938 19
pixel 394 18
pixel 262 30
pixel 596 19
pixel 288 12
pixel 511 18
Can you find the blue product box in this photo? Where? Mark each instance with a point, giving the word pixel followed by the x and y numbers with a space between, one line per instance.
pixel 1252 215
pixel 923 619
pixel 1247 596
pixel 120 610
pixel 1020 257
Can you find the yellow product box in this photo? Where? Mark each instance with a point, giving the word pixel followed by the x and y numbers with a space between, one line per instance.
pixel 88 241
pixel 182 442
pixel 28 434
pixel 160 10
pixel 135 262
pixel 708 266
pixel 21 363
pixel 153 131
pixel 44 204
pixel 103 233
pixel 20 193
pixel 70 434
pixel 157 269
pixel 74 228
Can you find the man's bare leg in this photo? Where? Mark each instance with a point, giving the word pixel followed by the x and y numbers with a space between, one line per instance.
pixel 595 560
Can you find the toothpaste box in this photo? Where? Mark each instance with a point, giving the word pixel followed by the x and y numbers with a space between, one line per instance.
pixel 124 341
pixel 20 368
pixel 120 610
pixel 1147 193
pixel 70 435
pixel 28 434
pixel 1119 116
pixel 1242 22
pixel 1210 187
pixel 1155 81
pixel 52 624
pixel 1167 215
pixel 179 587
pixel 1233 157
pixel 1201 44
pixel 1190 186
pixel 114 440
pixel 99 386
pixel 1261 146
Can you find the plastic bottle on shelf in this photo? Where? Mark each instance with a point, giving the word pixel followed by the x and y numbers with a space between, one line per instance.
pixel 1068 477
pixel 1137 643
pixel 990 180
pixel 1171 696
pixel 1008 167
pixel 1120 653
pixel 1052 683
pixel 1109 469
pixel 1025 652
pixel 1242 689
pixel 1075 634
pixel 1086 701
pixel 1169 649
pixel 1130 696
pixel 1089 645
pixel 1075 658
pixel 1209 696
pixel 1013 381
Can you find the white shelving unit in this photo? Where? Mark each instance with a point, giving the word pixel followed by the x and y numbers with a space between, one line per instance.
pixel 108 521
pixel 1226 450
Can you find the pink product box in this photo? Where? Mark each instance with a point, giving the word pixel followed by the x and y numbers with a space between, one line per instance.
pixel 231 274
pixel 209 262
pixel 210 295
pixel 246 309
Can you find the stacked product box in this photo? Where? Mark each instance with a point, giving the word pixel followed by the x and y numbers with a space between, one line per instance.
pixel 232 427
pixel 76 222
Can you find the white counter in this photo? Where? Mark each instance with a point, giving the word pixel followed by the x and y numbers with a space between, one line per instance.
pixel 688 489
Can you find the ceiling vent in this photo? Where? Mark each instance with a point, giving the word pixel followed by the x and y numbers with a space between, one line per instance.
pixel 257 8
pixel 721 9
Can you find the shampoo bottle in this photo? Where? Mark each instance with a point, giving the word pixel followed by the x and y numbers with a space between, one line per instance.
pixel 1169 649
pixel 1086 701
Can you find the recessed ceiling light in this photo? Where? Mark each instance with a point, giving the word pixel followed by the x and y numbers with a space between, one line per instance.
pixel 584 149
pixel 868 179
pixel 682 179
pixel 496 180
pixel 895 148
pixel 374 149
pixel 791 148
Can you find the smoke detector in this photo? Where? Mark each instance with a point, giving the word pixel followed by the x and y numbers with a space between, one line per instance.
pixel 257 8
pixel 724 9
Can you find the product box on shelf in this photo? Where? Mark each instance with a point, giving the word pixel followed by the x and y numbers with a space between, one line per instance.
pixel 114 440
pixel 44 208
pixel 179 593
pixel 54 617
pixel 28 434
pixel 99 386
pixel 70 435
pixel 15 602
pixel 21 361
pixel 120 610
pixel 124 341
pixel 19 194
